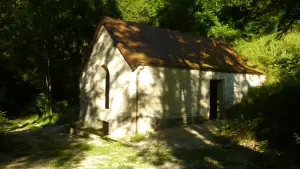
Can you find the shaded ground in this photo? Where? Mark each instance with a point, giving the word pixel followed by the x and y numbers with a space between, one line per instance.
pixel 190 147
pixel 196 146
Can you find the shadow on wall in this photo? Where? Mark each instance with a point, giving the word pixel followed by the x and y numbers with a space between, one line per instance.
pixel 183 98
pixel 89 94
pixel 93 89
pixel 177 98
pixel 197 146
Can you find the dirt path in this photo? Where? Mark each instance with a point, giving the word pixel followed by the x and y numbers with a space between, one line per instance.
pixel 189 137
pixel 187 147
pixel 37 148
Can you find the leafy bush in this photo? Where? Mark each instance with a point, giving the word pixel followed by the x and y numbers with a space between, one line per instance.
pixel 267 113
pixel 270 113
pixel 3 122
pixel 59 106
pixel 138 137
pixel 276 57
pixel 41 106
pixel 224 32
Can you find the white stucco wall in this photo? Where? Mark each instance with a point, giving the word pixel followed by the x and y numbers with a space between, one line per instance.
pixel 166 93
pixel 122 97
pixel 155 93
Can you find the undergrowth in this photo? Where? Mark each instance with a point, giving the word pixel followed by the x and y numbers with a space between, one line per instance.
pixel 275 56
pixel 268 114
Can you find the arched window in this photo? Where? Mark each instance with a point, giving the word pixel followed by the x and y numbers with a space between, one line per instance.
pixel 106 86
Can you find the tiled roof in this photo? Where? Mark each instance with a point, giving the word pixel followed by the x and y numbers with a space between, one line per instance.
pixel 142 44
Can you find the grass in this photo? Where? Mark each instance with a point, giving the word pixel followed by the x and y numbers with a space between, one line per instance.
pixel 60 150
pixel 31 122
pixel 114 155
pixel 158 150
pixel 138 137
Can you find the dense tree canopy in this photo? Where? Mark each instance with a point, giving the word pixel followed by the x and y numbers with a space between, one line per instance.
pixel 42 43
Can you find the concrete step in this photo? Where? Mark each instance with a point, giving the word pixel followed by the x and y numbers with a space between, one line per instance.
pixel 79 130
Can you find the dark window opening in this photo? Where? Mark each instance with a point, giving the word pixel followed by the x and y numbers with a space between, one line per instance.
pixel 107 80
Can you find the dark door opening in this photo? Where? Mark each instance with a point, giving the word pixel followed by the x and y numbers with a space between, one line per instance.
pixel 216 98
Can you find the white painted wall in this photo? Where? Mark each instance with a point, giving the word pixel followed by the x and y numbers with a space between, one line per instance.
pixel 182 93
pixel 122 97
pixel 152 92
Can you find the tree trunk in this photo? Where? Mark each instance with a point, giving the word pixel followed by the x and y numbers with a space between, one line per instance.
pixel 49 92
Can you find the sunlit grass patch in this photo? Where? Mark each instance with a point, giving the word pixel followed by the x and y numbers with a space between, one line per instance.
pixel 138 137
pixel 60 150
pixel 22 123
pixel 113 155
pixel 71 157
pixel 157 153
pixel 32 122
pixel 65 156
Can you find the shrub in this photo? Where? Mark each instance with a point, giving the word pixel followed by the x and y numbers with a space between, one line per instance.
pixel 138 137
pixel 267 113
pixel 59 106
pixel 270 113
pixel 3 123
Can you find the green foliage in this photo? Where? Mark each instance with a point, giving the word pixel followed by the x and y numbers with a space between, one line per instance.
pixel 3 126
pixel 42 103
pixel 3 123
pixel 42 43
pixel 59 106
pixel 224 31
pixel 297 138
pixel 41 51
pixel 32 122
pixel 140 11
pixel 263 145
pixel 138 137
pixel 279 58
pixel 268 113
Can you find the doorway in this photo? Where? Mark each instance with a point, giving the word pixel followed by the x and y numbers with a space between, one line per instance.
pixel 216 99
